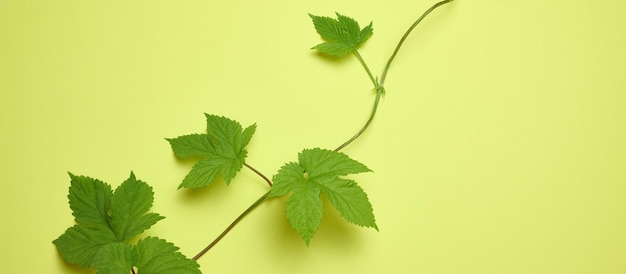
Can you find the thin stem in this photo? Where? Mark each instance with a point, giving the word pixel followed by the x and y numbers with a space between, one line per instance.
pixel 258 173
pixel 379 93
pixel 230 227
pixel 367 69
pixel 406 34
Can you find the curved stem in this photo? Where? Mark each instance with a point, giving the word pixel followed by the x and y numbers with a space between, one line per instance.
pixel 379 93
pixel 406 34
pixel 258 173
pixel 230 227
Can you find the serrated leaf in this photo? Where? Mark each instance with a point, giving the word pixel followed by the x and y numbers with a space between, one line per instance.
pixel 106 221
pixel 225 132
pixel 247 135
pixel 114 258
pixel 191 145
pixel 351 202
pixel 322 163
pixel 318 171
pixel 304 210
pixel 222 150
pixel 336 49
pixel 342 35
pixel 204 172
pixel 89 200
pixel 286 179
pixel 129 206
pixel 156 256
pixel 79 244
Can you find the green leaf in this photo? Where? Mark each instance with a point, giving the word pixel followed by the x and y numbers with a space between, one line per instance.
pixel 203 172
pixel 327 163
pixel 89 200
pixel 318 171
pixel 79 244
pixel 158 256
pixel 191 145
pixel 106 221
pixel 286 179
pixel 222 151
pixel 129 206
pixel 342 35
pixel 304 210
pixel 115 258
pixel 351 202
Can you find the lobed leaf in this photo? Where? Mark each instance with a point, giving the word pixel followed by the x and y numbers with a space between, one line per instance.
pixel 342 35
pixel 222 150
pixel 106 222
pixel 318 171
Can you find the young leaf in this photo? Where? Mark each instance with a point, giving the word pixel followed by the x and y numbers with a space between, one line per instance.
pixel 129 206
pixel 342 35
pixel 158 256
pixel 316 172
pixel 222 151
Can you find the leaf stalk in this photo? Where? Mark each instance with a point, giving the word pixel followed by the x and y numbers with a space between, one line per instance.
pixel 231 226
pixel 258 173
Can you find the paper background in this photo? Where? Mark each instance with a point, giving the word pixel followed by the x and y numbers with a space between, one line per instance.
pixel 499 147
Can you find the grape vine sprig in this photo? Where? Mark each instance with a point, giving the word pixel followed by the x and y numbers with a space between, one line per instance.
pixel 343 36
pixel 108 222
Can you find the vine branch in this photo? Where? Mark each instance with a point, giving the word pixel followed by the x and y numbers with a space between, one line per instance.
pixel 379 85
pixel 380 90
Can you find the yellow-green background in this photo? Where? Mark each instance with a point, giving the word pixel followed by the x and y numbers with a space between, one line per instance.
pixel 499 148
